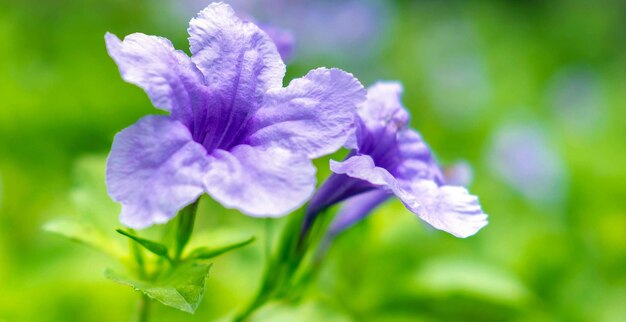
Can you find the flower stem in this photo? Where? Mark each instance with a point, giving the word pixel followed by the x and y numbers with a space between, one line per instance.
pixel 279 267
pixel 186 220
pixel 144 301
pixel 245 315
pixel 268 238
pixel 139 260
pixel 144 309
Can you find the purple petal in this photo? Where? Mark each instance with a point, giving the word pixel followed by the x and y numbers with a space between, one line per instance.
pixel 313 115
pixel 384 106
pixel 362 167
pixel 449 208
pixel 240 63
pixel 381 116
pixel 283 38
pixel 416 159
pixel 356 208
pixel 232 53
pixel 223 46
pixel 169 78
pixel 154 170
pixel 260 182
pixel 336 188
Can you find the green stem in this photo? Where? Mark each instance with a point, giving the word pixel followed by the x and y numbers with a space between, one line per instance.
pixel 268 238
pixel 262 295
pixel 245 315
pixel 277 268
pixel 144 301
pixel 144 309
pixel 271 282
pixel 313 269
pixel 282 268
pixel 137 254
pixel 186 220
pixel 184 228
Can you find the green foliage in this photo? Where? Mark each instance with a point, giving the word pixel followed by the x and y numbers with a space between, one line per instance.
pixel 488 61
pixel 84 232
pixel 468 277
pixel 152 246
pixel 210 252
pixel 181 287
pixel 185 222
pixel 309 311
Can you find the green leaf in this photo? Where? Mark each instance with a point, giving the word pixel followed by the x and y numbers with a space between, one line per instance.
pixel 152 246
pixel 469 277
pixel 210 252
pixel 311 310
pixel 181 288
pixel 186 219
pixel 88 194
pixel 85 233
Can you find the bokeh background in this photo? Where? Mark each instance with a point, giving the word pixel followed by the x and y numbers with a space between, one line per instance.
pixel 531 95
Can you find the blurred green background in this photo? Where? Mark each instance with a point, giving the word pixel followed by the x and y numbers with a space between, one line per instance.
pixel 531 94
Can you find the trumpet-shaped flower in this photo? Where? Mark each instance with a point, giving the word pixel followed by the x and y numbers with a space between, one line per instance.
pixel 389 159
pixel 232 131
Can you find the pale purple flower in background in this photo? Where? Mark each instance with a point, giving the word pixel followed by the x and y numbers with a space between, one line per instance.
pixel 523 157
pixel 577 97
pixel 284 40
pixel 390 159
pixel 459 174
pixel 348 31
pixel 355 28
pixel 233 131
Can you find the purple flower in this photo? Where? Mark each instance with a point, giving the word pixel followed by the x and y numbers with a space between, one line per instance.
pixel 577 97
pixel 328 26
pixel 522 155
pixel 233 131
pixel 284 39
pixel 458 174
pixel 389 159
